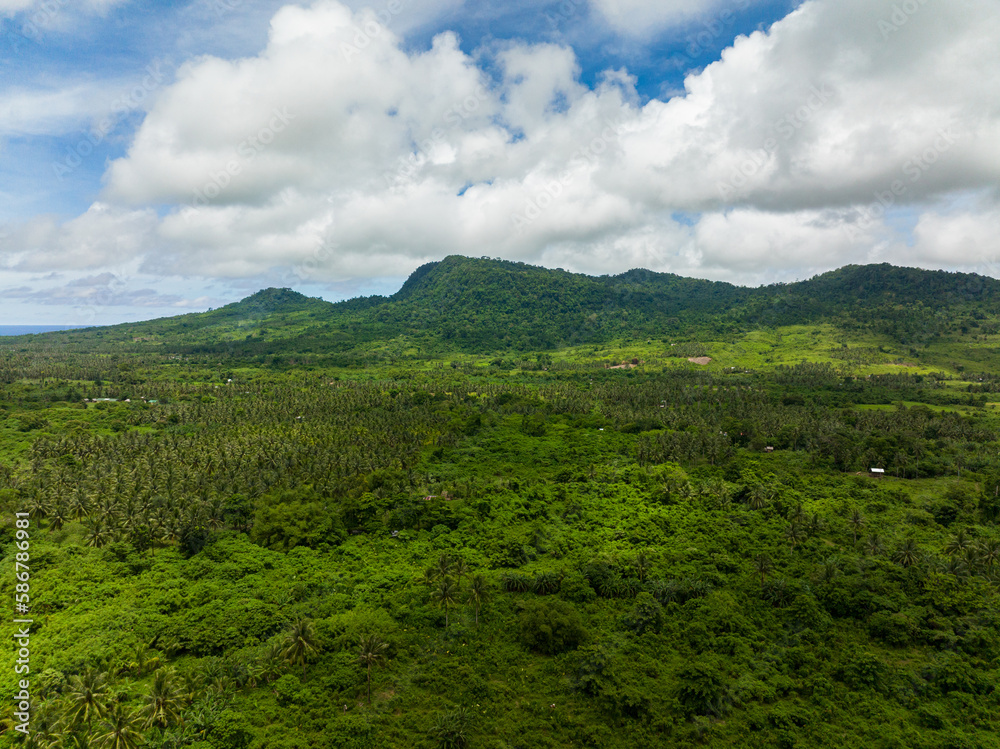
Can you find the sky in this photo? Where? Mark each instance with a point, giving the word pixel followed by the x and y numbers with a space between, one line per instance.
pixel 159 157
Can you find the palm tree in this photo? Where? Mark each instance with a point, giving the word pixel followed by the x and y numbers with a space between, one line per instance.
pixel 762 566
pixel 371 652
pixel 989 553
pixel 795 534
pixel 97 532
pixel 873 545
pixel 908 554
pixel 300 643
pixel 857 523
pixel 460 567
pixel 759 497
pixel 163 703
pixel 478 590
pixel 954 566
pixel 957 544
pixel 642 566
pixel 831 569
pixel 444 566
pixel 121 730
pixel 444 595
pixel 88 696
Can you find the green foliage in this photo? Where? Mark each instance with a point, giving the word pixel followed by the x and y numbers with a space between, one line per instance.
pixel 551 626
pixel 617 560
pixel 296 517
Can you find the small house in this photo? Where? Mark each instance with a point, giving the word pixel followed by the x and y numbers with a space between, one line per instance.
pixel 769 449
pixel 876 472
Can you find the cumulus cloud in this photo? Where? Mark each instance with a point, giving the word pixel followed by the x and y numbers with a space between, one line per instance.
pixel 339 152
pixel 101 237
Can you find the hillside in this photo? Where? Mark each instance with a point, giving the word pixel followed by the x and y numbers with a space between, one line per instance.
pixel 484 305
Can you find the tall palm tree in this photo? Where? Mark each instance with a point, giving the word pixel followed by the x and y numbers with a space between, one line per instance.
pixel 163 703
pixel 444 595
pixel 478 590
pixel 371 652
pixel 119 730
pixel 300 643
pixel 98 533
pixel 857 523
pixel 642 566
pixel 908 554
pixel 443 567
pixel 795 534
pixel 88 696
pixel 762 566
pixel 460 567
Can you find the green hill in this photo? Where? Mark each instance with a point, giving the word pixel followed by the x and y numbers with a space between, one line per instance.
pixel 484 305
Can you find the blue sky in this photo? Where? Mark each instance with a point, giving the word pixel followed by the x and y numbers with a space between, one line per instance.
pixel 729 139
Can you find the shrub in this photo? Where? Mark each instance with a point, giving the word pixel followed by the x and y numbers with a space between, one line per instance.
pixel 551 626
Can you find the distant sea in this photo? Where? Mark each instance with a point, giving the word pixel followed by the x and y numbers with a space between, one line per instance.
pixel 30 329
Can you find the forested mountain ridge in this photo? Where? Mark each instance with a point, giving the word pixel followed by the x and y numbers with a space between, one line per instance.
pixel 482 305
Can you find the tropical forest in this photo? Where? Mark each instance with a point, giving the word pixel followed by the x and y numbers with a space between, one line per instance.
pixel 510 507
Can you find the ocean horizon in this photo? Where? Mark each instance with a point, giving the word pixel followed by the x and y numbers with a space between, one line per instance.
pixel 11 330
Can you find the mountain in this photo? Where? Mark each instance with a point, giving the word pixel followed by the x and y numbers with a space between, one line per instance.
pixel 484 305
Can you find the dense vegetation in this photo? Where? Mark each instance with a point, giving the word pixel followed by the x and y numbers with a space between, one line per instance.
pixel 418 546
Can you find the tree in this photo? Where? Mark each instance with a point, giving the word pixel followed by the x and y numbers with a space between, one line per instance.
pixel 642 566
pixel 163 703
pixel 857 523
pixel 461 568
pixel 550 626
pixel 88 696
pixel 444 595
pixel 300 643
pixel 989 554
pixel 957 544
pixel 795 534
pixel 371 652
pixel 478 590
pixel 120 730
pixel 452 729
pixel 908 554
pixel 762 566
pixel 873 545
pixel 758 497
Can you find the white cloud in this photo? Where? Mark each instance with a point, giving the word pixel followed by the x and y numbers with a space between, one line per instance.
pixel 103 236
pixel 337 150
pixel 645 17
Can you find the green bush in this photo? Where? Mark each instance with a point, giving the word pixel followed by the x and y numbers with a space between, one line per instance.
pixel 551 626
